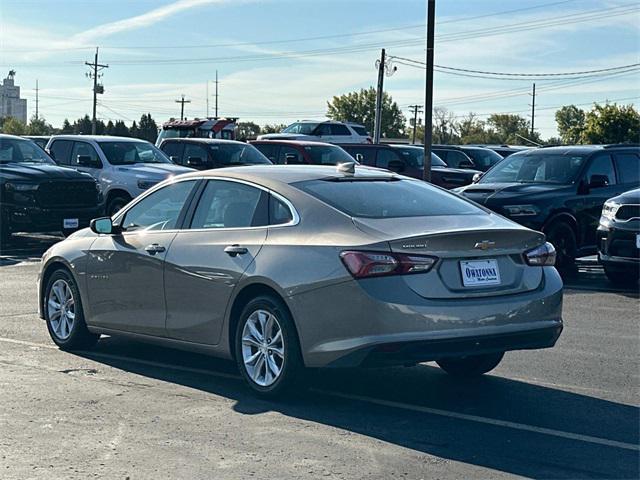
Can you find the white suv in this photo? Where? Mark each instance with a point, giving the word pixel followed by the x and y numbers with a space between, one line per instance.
pixel 330 131
pixel 124 167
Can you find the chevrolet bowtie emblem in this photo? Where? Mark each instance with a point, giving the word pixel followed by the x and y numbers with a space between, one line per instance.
pixel 484 245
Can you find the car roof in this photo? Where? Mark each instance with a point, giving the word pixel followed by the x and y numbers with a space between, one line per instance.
pixel 97 138
pixel 13 137
pixel 301 143
pixel 210 141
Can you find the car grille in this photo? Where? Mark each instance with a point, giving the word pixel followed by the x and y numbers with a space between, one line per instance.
pixel 626 212
pixel 67 194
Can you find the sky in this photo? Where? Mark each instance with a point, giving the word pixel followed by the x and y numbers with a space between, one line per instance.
pixel 282 60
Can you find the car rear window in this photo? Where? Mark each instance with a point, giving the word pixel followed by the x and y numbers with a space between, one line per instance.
pixel 387 198
pixel 360 131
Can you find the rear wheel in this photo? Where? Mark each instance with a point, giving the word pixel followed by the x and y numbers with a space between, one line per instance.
pixel 472 365
pixel 622 277
pixel 266 347
pixel 561 236
pixel 116 204
pixel 63 313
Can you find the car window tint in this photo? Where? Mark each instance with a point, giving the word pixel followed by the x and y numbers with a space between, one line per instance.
pixel 279 213
pixel 366 156
pixel 173 151
pixel 337 129
pixel 536 167
pixel 602 165
pixel 61 151
pixel 386 155
pixel 455 158
pixel 226 204
pixel 160 210
pixel 387 198
pixel 327 155
pixel 290 155
pixel 194 151
pixel 83 149
pixel 269 151
pixel 628 167
pixel 362 131
pixel 323 129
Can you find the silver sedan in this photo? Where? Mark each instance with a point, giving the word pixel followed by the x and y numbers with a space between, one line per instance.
pixel 282 268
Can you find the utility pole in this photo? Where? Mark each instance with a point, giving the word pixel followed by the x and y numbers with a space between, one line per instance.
pixel 96 87
pixel 37 89
pixel 416 109
pixel 428 93
pixel 207 116
pixel 216 93
pixel 182 101
pixel 377 127
pixel 533 109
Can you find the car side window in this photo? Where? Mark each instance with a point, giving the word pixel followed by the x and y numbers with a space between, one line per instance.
pixel 628 166
pixel 290 156
pixel 160 210
pixel 173 150
pixel 194 151
pixel 386 155
pixel 366 156
pixel 279 213
pixel 602 165
pixel 61 151
pixel 83 149
pixel 337 129
pixel 455 158
pixel 323 129
pixel 226 204
pixel 269 151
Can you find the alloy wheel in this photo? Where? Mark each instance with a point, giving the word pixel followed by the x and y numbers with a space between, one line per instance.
pixel 61 309
pixel 263 347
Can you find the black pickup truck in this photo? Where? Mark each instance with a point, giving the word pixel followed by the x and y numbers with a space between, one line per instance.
pixel 36 195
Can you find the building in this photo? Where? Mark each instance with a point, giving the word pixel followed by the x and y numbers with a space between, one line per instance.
pixel 11 105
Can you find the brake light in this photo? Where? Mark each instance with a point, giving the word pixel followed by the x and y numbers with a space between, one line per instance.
pixel 377 264
pixel 542 256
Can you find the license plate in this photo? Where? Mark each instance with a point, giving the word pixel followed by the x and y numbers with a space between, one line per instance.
pixel 70 223
pixel 637 240
pixel 476 273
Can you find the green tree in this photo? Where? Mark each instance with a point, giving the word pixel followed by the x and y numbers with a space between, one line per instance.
pixel 275 128
pixel 109 128
pixel 133 131
pixel 147 128
pixel 570 121
pixel 39 126
pixel 360 107
pixel 120 129
pixel 510 128
pixel 611 123
pixel 82 126
pixel 66 127
pixel 13 126
pixel 248 130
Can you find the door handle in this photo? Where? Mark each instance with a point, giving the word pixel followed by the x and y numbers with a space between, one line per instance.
pixel 234 250
pixel 154 248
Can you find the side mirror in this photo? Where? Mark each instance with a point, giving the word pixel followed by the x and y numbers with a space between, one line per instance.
pixel 598 181
pixel 476 178
pixel 466 164
pixel 87 161
pixel 359 158
pixel 396 166
pixel 103 226
pixel 195 161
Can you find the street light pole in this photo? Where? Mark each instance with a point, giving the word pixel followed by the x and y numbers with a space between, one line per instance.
pixel 428 94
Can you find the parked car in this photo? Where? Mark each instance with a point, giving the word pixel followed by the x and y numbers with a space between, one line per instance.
pixel 476 158
pixel 224 128
pixel 329 131
pixel 301 152
pixel 36 195
pixel 124 167
pixel 288 267
pixel 619 238
pixel 409 160
pixel 206 153
pixel 559 191
pixel 40 140
pixel 503 150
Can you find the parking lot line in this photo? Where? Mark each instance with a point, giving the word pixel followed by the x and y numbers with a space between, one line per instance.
pixel 371 400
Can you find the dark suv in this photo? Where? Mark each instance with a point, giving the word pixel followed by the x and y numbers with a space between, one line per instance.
pixel 463 156
pixel 559 191
pixel 409 160
pixel 36 195
pixel 206 153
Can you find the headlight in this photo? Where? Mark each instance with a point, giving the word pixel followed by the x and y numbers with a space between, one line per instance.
pixel 521 210
pixel 609 210
pixel 542 256
pixel 20 187
pixel 146 184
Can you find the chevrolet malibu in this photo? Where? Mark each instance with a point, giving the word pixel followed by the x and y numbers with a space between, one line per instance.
pixel 283 268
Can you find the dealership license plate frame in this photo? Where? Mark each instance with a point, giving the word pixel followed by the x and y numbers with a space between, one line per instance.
pixel 481 267
pixel 69 223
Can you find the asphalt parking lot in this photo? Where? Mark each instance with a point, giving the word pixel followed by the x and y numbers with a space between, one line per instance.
pixel 128 410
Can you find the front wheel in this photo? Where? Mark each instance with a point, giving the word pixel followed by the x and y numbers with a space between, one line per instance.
pixel 471 366
pixel 266 347
pixel 561 236
pixel 116 204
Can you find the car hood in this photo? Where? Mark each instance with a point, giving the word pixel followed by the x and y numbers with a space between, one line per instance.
pixel 484 192
pixel 284 136
pixel 632 197
pixel 459 171
pixel 154 170
pixel 34 172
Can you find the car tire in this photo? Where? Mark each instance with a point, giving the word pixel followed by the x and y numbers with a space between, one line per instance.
pixel 116 204
pixel 622 277
pixel 562 237
pixel 471 366
pixel 270 364
pixel 64 314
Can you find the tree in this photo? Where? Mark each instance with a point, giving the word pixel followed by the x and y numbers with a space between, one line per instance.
pixel 82 126
pixel 472 130
pixel 570 120
pixel 360 107
pixel 133 131
pixel 109 129
pixel 66 127
pixel 248 130
pixel 13 126
pixel 275 128
pixel 444 126
pixel 39 126
pixel 120 129
pixel 147 129
pixel 611 124
pixel 512 128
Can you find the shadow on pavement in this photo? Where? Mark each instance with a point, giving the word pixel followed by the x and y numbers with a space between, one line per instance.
pixel 511 450
pixel 22 248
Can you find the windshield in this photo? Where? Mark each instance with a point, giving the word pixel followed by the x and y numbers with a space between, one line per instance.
pixel 387 198
pixel 327 155
pixel 539 167
pixel 13 150
pixel 483 158
pixel 414 157
pixel 303 128
pixel 128 153
pixel 237 154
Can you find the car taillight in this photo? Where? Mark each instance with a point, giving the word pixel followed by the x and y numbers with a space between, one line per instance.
pixel 542 256
pixel 377 264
